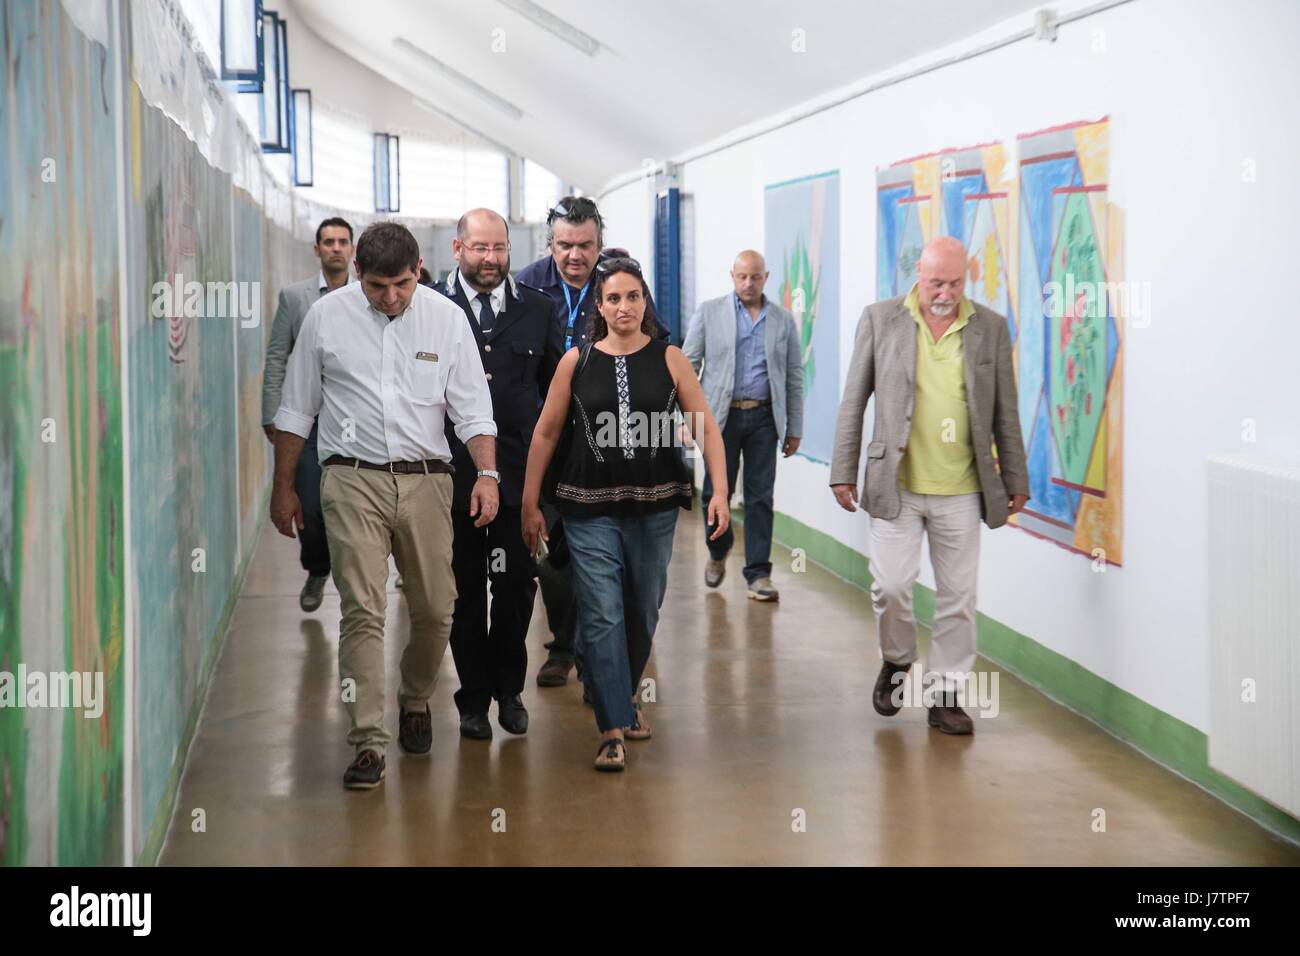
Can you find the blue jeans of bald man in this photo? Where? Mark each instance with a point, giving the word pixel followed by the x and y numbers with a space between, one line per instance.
pixel 749 433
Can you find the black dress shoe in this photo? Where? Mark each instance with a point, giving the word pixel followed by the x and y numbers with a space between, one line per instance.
pixel 366 771
pixel 512 715
pixel 415 731
pixel 475 727
pixel 313 592
pixel 882 694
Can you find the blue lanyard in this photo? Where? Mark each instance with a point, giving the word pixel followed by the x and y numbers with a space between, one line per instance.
pixel 574 310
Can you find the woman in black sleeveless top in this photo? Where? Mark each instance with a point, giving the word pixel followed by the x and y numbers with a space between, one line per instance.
pixel 619 482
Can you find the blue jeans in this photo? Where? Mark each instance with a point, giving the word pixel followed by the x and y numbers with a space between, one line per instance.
pixel 613 639
pixel 751 433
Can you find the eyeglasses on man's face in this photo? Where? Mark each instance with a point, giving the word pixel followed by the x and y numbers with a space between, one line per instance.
pixel 482 248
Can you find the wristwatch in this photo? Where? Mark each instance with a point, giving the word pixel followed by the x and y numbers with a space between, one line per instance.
pixel 494 475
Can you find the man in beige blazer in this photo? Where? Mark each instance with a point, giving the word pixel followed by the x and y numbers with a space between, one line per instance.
pixel 940 369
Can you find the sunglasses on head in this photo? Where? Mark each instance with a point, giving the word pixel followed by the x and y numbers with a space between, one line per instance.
pixel 573 206
pixel 618 263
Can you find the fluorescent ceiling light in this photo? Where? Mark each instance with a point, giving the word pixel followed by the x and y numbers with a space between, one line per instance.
pixel 553 24
pixel 439 112
pixel 482 92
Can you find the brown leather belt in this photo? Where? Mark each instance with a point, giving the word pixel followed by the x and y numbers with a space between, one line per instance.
pixel 430 467
pixel 749 403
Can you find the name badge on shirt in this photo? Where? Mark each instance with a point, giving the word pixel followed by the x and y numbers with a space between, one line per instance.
pixel 427 356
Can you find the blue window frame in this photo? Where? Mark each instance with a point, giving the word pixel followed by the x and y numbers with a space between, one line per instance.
pixel 242 51
pixel 273 105
pixel 300 124
pixel 388 173
pixel 668 261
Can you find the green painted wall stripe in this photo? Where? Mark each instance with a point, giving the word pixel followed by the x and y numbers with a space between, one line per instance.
pixel 1173 744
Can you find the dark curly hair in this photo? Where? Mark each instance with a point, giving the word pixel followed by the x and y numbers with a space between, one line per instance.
pixel 605 269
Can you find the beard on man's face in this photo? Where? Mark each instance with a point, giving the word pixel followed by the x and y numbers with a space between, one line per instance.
pixel 486 275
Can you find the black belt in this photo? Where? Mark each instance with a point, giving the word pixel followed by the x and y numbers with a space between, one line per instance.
pixel 430 467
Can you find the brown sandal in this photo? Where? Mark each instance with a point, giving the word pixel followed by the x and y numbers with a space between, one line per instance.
pixel 640 729
pixel 617 753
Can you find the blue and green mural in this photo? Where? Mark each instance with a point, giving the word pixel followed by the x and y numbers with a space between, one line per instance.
pixel 802 248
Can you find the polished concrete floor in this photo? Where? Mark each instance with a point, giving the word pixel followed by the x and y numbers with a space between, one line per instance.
pixel 763 719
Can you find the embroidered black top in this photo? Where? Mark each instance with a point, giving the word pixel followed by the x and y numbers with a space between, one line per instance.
pixel 625 458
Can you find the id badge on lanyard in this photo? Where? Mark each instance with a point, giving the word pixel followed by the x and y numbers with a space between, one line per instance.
pixel 574 310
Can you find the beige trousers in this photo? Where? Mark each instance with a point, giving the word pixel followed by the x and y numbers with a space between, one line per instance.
pixel 368 515
pixel 952 523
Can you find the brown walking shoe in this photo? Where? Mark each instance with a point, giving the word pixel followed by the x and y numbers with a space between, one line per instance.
pixel 415 731
pixel 554 673
pixel 366 771
pixel 882 694
pixel 950 720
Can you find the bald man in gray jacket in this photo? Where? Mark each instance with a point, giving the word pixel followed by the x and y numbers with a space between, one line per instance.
pixel 752 376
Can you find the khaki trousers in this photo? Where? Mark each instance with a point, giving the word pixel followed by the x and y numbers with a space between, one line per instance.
pixel 952 524
pixel 368 515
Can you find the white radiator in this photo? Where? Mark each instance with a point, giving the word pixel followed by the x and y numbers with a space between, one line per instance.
pixel 1254 585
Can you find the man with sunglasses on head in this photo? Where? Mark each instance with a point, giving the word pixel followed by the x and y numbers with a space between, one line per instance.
pixel 519 343
pixel 575 235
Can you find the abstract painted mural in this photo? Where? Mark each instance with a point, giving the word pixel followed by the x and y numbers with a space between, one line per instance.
pixel 1041 249
pixel 802 247
pixel 196 458
pixel 61 484
pixel 954 192
pixel 1070 348
pixel 184 493
pixel 254 449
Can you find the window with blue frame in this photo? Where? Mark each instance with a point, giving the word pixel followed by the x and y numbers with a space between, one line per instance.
pixel 273 104
pixel 300 117
pixel 668 261
pixel 241 44
pixel 388 174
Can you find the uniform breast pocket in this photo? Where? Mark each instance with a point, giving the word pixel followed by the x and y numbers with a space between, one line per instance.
pixel 424 377
pixel 527 356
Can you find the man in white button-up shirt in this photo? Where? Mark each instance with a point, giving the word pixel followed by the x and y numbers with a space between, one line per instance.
pixel 382 362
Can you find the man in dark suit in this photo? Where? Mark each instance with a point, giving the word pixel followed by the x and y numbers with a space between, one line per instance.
pixel 520 343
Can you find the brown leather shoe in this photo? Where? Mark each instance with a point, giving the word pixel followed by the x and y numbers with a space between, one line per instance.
pixel 366 771
pixel 884 689
pixel 950 720
pixel 415 731
pixel 554 673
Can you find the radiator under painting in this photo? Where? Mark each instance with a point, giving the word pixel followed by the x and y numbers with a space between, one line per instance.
pixel 1254 607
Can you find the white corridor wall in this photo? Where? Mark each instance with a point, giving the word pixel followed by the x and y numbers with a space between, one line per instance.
pixel 1196 93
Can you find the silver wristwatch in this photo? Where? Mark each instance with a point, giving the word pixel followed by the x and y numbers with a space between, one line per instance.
pixel 494 475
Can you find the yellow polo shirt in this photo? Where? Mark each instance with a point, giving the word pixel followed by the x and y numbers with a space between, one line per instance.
pixel 939 459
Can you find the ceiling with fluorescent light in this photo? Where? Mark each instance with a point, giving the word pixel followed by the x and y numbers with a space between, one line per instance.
pixel 663 77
